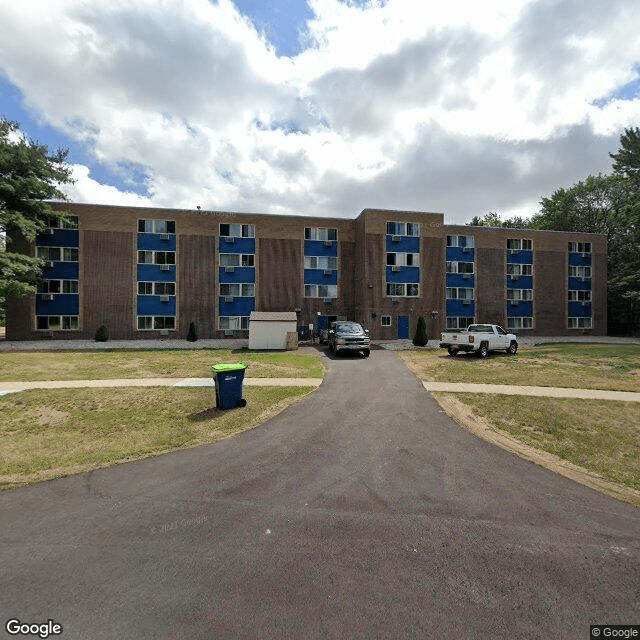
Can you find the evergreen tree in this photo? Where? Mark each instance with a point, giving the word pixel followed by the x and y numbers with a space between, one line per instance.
pixel 420 339
pixel 627 160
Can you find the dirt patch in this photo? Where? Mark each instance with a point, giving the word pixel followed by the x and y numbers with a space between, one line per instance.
pixel 48 417
pixel 482 428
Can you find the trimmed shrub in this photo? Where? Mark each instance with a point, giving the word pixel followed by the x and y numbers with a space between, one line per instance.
pixel 192 336
pixel 102 335
pixel 420 339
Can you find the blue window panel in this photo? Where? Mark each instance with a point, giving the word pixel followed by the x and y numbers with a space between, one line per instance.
pixel 61 271
pixel 520 257
pixel 579 285
pixel 241 306
pixel 237 245
pixel 154 242
pixel 458 254
pixel 407 244
pixel 458 308
pixel 63 304
pixel 239 274
pixel 577 310
pixel 317 276
pixel 406 274
pixel 458 280
pixel 520 282
pixel 153 273
pixel 576 260
pixel 61 238
pixel 318 248
pixel 523 309
pixel 151 306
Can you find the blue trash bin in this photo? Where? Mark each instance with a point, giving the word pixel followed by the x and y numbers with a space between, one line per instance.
pixel 229 379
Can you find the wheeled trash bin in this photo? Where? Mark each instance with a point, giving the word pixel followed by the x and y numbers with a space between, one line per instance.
pixel 229 379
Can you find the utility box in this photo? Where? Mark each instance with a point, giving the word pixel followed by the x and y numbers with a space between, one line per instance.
pixel 269 329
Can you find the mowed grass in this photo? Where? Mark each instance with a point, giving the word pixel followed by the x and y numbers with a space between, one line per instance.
pixel 611 367
pixel 47 434
pixel 177 363
pixel 600 435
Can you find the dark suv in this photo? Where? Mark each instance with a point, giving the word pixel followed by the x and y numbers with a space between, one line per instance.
pixel 350 336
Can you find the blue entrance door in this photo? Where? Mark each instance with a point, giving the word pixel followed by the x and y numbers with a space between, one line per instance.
pixel 403 327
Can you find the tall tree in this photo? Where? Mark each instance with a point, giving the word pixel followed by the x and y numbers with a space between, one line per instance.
pixel 627 160
pixel 30 176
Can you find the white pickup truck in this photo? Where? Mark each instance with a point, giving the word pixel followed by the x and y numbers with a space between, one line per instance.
pixel 480 338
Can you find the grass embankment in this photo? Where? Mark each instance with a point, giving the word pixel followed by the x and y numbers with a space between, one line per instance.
pixel 611 367
pixel 103 365
pixel 54 433
pixel 600 436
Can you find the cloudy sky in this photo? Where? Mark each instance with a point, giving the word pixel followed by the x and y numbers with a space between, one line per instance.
pixel 324 107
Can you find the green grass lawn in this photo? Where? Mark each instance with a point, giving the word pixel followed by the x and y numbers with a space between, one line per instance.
pixel 47 434
pixel 187 363
pixel 613 367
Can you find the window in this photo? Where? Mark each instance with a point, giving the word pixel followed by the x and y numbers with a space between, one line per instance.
pixel 458 322
pixel 70 254
pixel 403 259
pixel 57 254
pixel 320 262
pixel 237 260
pixel 580 272
pixel 57 323
pixel 57 223
pixel 461 241
pixel 579 323
pixel 164 288
pixel 460 267
pixel 580 296
pixel 145 323
pixel 241 290
pixel 401 289
pixel 233 322
pixel 519 294
pixel 148 323
pixel 519 244
pixel 580 247
pixel 58 286
pixel 519 269
pixel 519 323
pixel 454 293
pixel 157 257
pixel 320 291
pixel 385 321
pixel 320 233
pixel 238 230
pixel 403 229
pixel 145 288
pixel 156 226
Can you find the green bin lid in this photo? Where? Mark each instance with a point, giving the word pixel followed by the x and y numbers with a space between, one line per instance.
pixel 219 368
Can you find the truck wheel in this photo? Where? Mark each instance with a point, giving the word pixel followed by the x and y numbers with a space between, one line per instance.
pixel 366 353
pixel 513 348
pixel 483 351
pixel 452 352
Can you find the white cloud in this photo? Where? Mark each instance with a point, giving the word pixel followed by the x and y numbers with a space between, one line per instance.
pixel 461 107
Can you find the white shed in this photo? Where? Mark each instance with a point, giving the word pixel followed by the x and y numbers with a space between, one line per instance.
pixel 269 329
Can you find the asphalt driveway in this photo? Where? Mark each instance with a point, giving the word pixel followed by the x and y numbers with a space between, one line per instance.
pixel 361 512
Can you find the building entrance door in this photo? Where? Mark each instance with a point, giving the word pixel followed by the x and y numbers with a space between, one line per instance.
pixel 403 327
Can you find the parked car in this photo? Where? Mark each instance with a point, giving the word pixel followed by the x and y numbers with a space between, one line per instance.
pixel 480 338
pixel 348 336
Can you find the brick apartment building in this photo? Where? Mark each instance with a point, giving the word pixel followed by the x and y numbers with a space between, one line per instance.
pixel 150 272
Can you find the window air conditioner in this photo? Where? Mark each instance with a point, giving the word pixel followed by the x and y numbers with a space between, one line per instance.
pixel 395 239
pixel 583 255
pixel 466 302
pixel 515 303
pixel 466 249
pixel 165 267
pixel 395 268
pixel 164 298
pixel 49 263
pixel 585 303
pixel 583 279
pixel 513 277
pixel 328 300
pixel 513 252
pixel 466 276
pixel 164 236
pixel 47 334
pixel 229 269
pixel 228 332
pixel 47 296
pixel 48 231
pixel 328 243
pixel 164 332
pixel 395 299
pixel 229 239
pixel 327 272
pixel 228 298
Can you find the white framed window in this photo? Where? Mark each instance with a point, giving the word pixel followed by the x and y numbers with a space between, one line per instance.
pixel 403 229
pixel 320 233
pixel 53 222
pixel 154 323
pixel 403 259
pixel 156 226
pixel 156 288
pixel 579 296
pixel 461 241
pixel 57 323
pixel 242 290
pixel 580 272
pixel 459 293
pixel 519 269
pixel 520 323
pixel 237 260
pixel 157 257
pixel 519 244
pixel 519 294
pixel 238 230
pixel 460 267
pixel 579 247
pixel 321 262
pixel 233 323
pixel 385 321
pixel 58 254
pixel 459 322
pixel 58 286
pixel 320 290
pixel 403 289
pixel 580 323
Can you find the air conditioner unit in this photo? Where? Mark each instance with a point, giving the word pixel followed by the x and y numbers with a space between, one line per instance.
pixel 47 334
pixel 328 243
pixel 513 252
pixel 164 332
pixel 395 299
pixel 395 268
pixel 585 303
pixel 466 249
pixel 47 296
pixel 327 272
pixel 228 332
pixel 229 239
pixel 513 277
pixel 466 276
pixel 395 239
pixel 165 267
pixel 164 298
pixel 164 236
pixel 229 269
pixel 50 263
pixel 584 278
pixel 583 255
pixel 515 303
pixel 328 300
pixel 48 231
pixel 228 298
pixel 467 302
